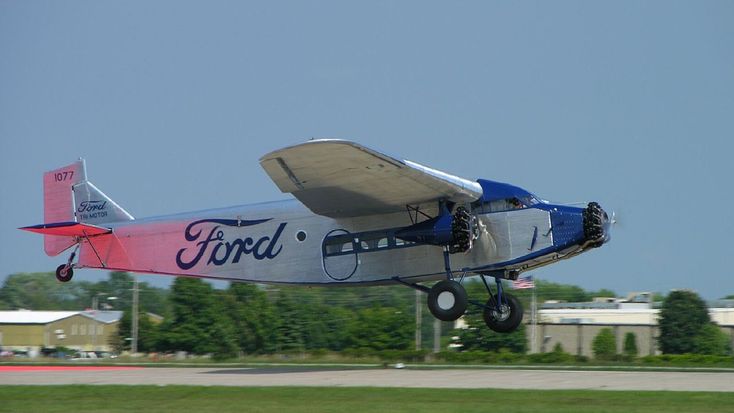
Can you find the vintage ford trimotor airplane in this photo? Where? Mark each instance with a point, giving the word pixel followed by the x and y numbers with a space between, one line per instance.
pixel 364 218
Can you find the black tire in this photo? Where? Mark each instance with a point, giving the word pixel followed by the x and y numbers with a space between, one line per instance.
pixel 447 300
pixel 506 321
pixel 63 273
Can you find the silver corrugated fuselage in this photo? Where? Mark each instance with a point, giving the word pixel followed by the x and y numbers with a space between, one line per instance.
pixel 260 243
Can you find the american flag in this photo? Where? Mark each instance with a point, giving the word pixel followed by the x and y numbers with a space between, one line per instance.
pixel 523 282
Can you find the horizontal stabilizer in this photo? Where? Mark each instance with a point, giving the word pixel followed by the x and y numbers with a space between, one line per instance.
pixel 68 229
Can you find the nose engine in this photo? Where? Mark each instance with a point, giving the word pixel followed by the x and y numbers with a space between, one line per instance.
pixel 596 225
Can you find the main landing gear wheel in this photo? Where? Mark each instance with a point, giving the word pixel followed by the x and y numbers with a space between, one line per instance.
pixel 447 300
pixel 507 317
pixel 64 273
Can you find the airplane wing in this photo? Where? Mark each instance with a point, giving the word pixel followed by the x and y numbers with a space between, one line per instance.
pixel 337 178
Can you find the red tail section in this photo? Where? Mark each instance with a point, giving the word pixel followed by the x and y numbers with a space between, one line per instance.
pixel 58 203
pixel 68 229
pixel 72 208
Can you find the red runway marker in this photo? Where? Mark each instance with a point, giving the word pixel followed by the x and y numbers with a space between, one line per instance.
pixel 64 368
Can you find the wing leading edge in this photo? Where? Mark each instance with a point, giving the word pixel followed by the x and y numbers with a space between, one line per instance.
pixel 337 178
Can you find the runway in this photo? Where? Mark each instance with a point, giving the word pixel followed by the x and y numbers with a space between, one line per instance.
pixel 309 376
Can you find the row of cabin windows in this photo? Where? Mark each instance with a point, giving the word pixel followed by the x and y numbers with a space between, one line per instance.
pixel 82 330
pixel 346 243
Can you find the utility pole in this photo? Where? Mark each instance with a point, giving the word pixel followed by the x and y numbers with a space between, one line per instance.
pixel 134 344
pixel 418 319
pixel 436 335
pixel 534 326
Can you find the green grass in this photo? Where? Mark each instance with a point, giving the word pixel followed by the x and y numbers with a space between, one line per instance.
pixel 201 399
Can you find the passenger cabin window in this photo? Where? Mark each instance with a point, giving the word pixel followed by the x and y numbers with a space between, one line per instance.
pixel 403 243
pixel 369 241
pixel 339 244
pixel 373 241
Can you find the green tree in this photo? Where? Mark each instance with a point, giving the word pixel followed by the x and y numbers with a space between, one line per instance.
pixel 147 333
pixel 290 324
pixel 477 336
pixel 339 323
pixel 251 316
pixel 120 284
pixel 604 345
pixel 682 317
pixel 41 291
pixel 381 328
pixel 711 340
pixel 630 345
pixel 198 323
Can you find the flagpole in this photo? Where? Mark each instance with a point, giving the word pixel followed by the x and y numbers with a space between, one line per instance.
pixel 529 282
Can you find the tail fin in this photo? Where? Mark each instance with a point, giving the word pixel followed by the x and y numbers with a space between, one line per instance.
pixel 69 197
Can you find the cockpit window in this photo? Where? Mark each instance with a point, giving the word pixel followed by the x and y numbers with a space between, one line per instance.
pixel 509 204
pixel 529 200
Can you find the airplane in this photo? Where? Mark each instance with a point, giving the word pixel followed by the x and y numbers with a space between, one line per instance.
pixel 359 218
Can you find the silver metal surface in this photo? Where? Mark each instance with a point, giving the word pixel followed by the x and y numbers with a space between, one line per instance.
pixel 153 244
pixel 338 179
pixel 94 207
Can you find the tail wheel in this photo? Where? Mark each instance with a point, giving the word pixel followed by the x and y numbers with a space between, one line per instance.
pixel 505 317
pixel 64 273
pixel 447 300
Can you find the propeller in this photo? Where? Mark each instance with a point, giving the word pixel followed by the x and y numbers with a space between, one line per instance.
pixel 616 221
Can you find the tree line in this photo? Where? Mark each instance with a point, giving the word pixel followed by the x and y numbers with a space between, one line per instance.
pixel 256 319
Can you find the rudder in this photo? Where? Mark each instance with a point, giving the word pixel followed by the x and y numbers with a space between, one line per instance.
pixel 69 197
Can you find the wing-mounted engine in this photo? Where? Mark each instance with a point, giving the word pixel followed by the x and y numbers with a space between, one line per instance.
pixel 455 231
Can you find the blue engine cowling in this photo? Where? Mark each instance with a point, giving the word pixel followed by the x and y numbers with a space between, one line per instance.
pixel 446 230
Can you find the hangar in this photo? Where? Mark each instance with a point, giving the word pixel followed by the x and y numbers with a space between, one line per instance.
pixel 79 330
pixel 575 325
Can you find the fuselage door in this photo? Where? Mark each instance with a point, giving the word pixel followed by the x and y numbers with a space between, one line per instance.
pixel 339 255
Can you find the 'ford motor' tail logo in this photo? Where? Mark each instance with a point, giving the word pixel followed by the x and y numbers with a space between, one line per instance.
pixel 91 206
pixel 227 251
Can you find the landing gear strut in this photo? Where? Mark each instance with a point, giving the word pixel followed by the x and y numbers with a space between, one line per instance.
pixel 447 299
pixel 65 272
pixel 503 312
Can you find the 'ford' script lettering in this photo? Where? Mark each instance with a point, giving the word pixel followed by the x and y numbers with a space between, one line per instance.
pixel 91 206
pixel 220 251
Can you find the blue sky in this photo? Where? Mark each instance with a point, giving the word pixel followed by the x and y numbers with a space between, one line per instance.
pixel 627 103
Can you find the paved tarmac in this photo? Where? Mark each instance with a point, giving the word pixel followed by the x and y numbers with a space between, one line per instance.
pixel 439 378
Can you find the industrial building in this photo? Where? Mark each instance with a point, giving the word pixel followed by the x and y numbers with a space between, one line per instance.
pixel 79 330
pixel 575 325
